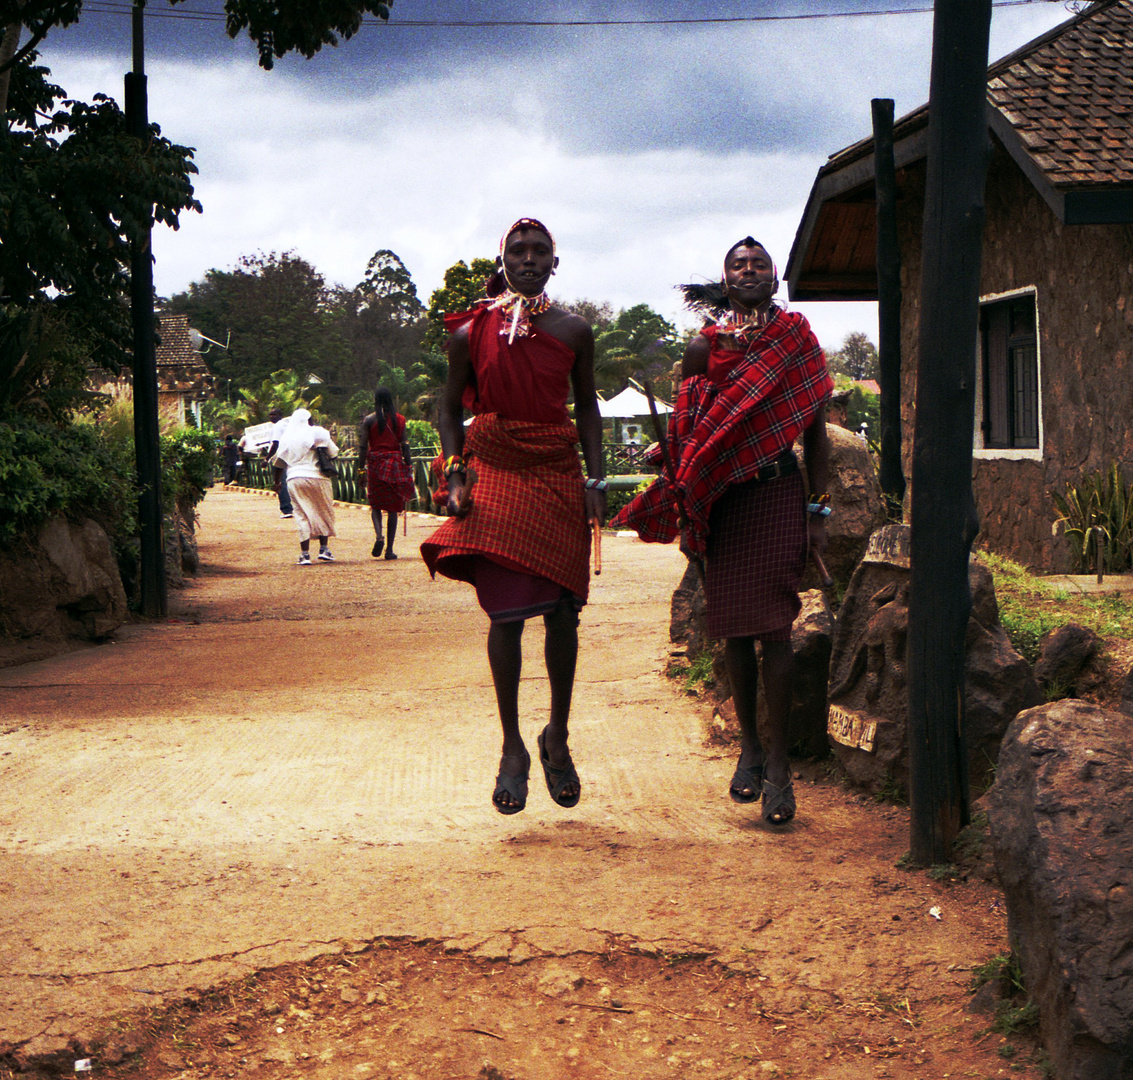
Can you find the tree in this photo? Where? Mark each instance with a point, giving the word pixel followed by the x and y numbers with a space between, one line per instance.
pixel 600 316
pixel 276 26
pixel 857 357
pixel 280 313
pixel 638 343
pixel 381 321
pixel 75 191
pixel 463 286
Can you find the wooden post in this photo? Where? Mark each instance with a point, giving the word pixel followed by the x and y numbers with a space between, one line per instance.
pixel 890 473
pixel 147 435
pixel 944 521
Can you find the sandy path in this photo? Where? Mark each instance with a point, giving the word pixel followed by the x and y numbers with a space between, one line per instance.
pixel 304 756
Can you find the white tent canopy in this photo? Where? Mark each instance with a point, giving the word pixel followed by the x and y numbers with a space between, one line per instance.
pixel 630 403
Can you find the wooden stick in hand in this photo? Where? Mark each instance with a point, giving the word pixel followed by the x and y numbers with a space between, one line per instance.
pixel 597 534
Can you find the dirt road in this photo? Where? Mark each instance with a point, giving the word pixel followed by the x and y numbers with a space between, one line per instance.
pixel 295 769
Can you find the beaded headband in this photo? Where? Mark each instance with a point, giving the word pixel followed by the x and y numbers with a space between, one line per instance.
pixel 527 223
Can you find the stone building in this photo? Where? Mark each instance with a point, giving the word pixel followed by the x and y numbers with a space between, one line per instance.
pixel 1055 377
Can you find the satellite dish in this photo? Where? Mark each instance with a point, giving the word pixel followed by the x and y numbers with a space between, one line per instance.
pixel 196 337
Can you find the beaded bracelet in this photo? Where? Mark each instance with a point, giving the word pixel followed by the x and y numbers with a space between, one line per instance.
pixel 818 509
pixel 594 484
pixel 454 464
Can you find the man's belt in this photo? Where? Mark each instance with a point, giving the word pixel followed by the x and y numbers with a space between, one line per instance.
pixel 785 464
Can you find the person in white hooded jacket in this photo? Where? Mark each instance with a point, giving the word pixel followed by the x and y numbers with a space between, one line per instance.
pixel 311 494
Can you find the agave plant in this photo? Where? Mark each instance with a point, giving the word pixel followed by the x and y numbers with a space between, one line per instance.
pixel 1100 500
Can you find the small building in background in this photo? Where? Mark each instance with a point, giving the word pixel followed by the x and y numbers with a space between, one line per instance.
pixel 1054 382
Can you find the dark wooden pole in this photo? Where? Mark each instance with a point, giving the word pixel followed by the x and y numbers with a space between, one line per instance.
pixel 944 522
pixel 890 473
pixel 147 445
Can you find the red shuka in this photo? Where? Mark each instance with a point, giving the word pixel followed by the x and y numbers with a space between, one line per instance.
pixel 748 409
pixel 528 512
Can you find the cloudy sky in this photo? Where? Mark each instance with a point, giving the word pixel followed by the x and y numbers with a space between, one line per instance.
pixel 648 149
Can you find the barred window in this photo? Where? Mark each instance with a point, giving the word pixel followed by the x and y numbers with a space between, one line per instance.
pixel 1010 374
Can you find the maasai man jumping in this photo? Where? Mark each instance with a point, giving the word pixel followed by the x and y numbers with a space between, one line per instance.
pixel 520 504
pixel 752 382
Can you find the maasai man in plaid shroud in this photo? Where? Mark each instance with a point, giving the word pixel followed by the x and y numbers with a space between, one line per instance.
pixel 751 387
pixel 516 489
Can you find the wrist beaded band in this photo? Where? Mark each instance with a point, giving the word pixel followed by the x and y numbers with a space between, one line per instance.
pixel 595 484
pixel 454 464
pixel 818 509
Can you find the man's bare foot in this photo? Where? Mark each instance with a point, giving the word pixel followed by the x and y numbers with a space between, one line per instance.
pixel 510 795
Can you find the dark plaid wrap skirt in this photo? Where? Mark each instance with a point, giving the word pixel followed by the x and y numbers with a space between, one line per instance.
pixel 757 549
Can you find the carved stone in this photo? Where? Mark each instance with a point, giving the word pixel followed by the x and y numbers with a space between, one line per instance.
pixel 868 717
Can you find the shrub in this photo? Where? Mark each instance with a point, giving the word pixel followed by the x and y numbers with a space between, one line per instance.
pixel 72 469
pixel 422 436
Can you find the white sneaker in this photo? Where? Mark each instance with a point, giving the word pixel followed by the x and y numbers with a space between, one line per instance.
pixel 282 515
pixel 305 559
pixel 325 555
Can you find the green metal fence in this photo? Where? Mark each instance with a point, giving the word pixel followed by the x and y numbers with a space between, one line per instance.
pixel 625 468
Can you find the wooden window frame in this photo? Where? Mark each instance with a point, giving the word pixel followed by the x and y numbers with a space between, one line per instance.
pixel 1009 401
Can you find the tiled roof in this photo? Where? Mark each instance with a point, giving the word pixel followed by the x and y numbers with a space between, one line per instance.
pixel 179 365
pixel 1069 95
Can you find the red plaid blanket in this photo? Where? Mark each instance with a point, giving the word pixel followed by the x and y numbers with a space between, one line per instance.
pixel 730 423
pixel 527 504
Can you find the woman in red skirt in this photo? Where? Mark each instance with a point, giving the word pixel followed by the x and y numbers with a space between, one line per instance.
pixel 384 457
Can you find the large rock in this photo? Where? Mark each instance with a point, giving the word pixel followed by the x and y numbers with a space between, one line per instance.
pixel 1064 655
pixel 1061 814
pixel 857 505
pixel 868 719
pixel 65 584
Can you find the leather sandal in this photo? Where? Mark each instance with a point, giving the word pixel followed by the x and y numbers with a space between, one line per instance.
pixel 750 778
pixel 557 779
pixel 515 786
pixel 778 803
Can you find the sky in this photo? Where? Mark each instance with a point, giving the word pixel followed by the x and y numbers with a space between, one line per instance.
pixel 648 150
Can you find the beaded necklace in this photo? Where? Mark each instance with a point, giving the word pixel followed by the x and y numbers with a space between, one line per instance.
pixel 518 310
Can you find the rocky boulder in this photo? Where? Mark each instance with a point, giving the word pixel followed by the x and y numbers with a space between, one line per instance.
pixel 857 505
pixel 1064 655
pixel 1061 813
pixel 64 584
pixel 868 715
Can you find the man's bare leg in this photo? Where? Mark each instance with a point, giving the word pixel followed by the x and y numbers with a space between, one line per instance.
pixel 743 675
pixel 778 667
pixel 560 651
pixel 505 658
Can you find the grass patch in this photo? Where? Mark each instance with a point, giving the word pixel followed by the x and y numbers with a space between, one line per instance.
pixel 1029 606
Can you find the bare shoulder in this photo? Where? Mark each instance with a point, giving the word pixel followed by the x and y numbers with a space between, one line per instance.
pixel 570 329
pixel 695 361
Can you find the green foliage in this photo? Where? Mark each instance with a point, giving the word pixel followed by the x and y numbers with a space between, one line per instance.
pixel 188 461
pixel 285 390
pixel 276 29
pixel 75 191
pixel 463 286
pixel 639 342
pixel 1002 968
pixel 1018 594
pixel 72 469
pixel 856 359
pixel 421 435
pixel 281 315
pixel 699 673
pixel 1099 500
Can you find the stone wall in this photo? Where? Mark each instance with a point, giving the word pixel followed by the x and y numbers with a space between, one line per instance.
pixel 1083 275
